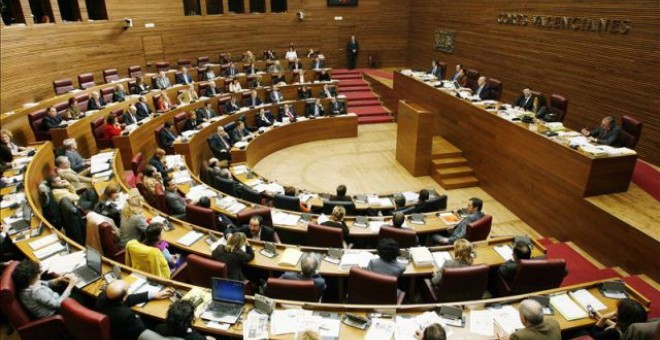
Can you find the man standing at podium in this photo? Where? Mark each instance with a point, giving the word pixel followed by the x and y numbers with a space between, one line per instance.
pixel 352 49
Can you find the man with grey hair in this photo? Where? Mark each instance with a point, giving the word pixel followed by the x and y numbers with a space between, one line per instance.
pixel 78 164
pixel 536 326
pixel 606 134
pixel 309 267
pixel 64 170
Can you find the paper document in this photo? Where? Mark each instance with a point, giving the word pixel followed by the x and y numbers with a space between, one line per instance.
pixel 507 319
pixel 181 177
pixel 286 321
pixel 59 264
pixel 584 299
pixel 351 259
pixel 189 238
pixel 240 169
pixel 567 307
pixel 290 257
pixel 49 250
pixel 44 241
pixel 174 161
pixel 439 258
pixel 411 197
pixel 380 329
pixel 255 327
pixel 282 218
pixel 505 251
pixel 422 257
pixel 481 322
pixel 374 226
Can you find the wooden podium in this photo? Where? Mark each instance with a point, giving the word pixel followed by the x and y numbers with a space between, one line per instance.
pixel 414 138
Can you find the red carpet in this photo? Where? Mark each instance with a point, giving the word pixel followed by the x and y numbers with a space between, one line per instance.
pixel 379 73
pixel 648 291
pixel 364 102
pixel 580 270
pixel 545 242
pixel 359 97
pixel 647 178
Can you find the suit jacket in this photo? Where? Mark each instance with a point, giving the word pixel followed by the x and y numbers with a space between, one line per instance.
pixel 230 72
pixel 124 323
pixel 220 144
pixel 324 77
pixel 267 233
pixel 548 329
pixel 461 229
pixel 292 111
pixel 448 264
pixel 160 167
pixel 203 114
pixel 394 268
pixel 140 89
pixel 231 108
pixel 234 260
pixel 305 94
pixel 508 270
pixel 276 97
pixel 190 124
pixel 183 78
pixel 51 122
pixel 212 91
pixel 119 96
pixel 318 65
pixel 143 110
pixel 94 105
pixel 292 65
pixel 337 109
pixel 330 93
pixel 166 138
pixel 237 135
pixel 162 83
pixel 436 72
pixel 486 92
pixel 175 203
pixel 342 225
pixel 610 137
pixel 350 46
pixel 264 122
pixel 310 110
pixel 131 119
pixel 250 70
pixel 525 103
pixel 249 102
pixel 77 162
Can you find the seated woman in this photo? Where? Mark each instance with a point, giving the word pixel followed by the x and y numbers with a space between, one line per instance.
pixel 72 111
pixel 192 123
pixel 209 74
pixel 612 326
pixel 151 178
pixel 235 86
pixel 178 322
pixel 324 76
pixel 38 296
pixel 278 78
pixel 108 204
pixel 111 128
pixel 188 95
pixel 462 258
pixel 163 104
pixel 337 220
pixel 386 263
pixel 234 254
pixel 153 238
pixel 7 140
pixel 146 256
pixel 133 223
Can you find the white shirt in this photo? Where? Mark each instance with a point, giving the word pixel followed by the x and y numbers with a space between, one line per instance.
pixel 291 55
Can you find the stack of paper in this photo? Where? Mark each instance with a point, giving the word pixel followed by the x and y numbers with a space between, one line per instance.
pixel 422 257
pixel 449 218
pixel 236 207
pixel 174 161
pixel 240 144
pixel 380 329
pixel 240 169
pixel 411 197
pixel 567 307
pixel 225 202
pixel 44 241
pixel 200 191
pixel 290 257
pixel 151 288
pixel 481 322
pixel 504 251
pixel 180 177
pixel 256 326
pixel 374 226
pixel 189 133
pixel 439 258
pixel 355 258
pixel 189 238
pixel 286 321
pixel 49 250
pixel 282 218
pixel 507 320
pixel 584 299
pixel 200 298
pixel 61 265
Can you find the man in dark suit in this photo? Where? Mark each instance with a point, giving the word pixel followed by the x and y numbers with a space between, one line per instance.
pixel 606 134
pixel 317 64
pixel 327 91
pixel 257 231
pixel 304 92
pixel 336 107
pixel 508 269
pixel 275 95
pixel 253 100
pixel 309 267
pixel 176 204
pixel 264 119
pixel 288 112
pixel 192 123
pixel 251 69
pixel 184 77
pixel 220 145
pixel 212 90
pixel 205 113
pixel 295 65
pixel 130 116
pixel 340 195
pixel 162 82
pixel 256 82
pixel 116 303
pixel 459 73
pixel 158 162
pixel 167 137
pixel 230 71
pixel 232 106
pixel 120 94
pixel 140 87
pixel 436 70
pixel 143 109
pixel 314 109
pixel 483 90
pixel 525 100
pixel 352 50
pixel 239 132
pixel 51 120
pixel 96 102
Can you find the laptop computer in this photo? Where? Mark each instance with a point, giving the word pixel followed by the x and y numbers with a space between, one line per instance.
pixel 228 300
pixel 91 271
pixel 24 222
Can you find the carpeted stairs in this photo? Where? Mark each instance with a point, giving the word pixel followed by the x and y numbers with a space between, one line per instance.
pixel 361 100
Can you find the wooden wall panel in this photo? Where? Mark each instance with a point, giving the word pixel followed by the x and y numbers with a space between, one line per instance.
pixel 600 73
pixel 32 57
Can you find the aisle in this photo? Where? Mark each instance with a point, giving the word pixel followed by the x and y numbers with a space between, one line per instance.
pixel 361 100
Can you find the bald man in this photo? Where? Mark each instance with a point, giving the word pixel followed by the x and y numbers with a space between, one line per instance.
pixel 607 134
pixel 483 90
pixel 116 303
pixel 536 326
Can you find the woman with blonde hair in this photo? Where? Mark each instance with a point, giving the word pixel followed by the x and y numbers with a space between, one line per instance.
pixel 133 223
pixel 7 139
pixel 462 258
pixel 234 254
pixel 164 103
pixel 336 220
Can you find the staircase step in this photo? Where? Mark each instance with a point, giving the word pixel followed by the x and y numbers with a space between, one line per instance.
pixel 448 162
pixel 369 111
pixel 459 171
pixel 374 119
pixel 458 182
pixel 352 82
pixel 347 77
pixel 363 102
pixel 445 154
pixel 360 95
pixel 354 89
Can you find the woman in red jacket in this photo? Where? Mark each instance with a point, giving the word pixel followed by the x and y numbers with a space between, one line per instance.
pixel 112 127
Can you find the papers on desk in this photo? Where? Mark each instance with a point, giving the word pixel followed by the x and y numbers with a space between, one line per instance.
pixel 62 264
pixel 578 141
pixel 189 133
pixel 411 197
pixel 240 169
pixel 421 257
pixel 567 307
pixel 13 180
pixel 98 167
pixel 374 226
pixel 449 218
pixel 44 241
pixel 352 258
pixel 200 299
pixel 20 162
pixel 555 126
pixel 282 218
pixel 49 250
pixel 189 238
pixel 180 177
pixel 380 329
pixel 255 326
pixel 9 200
pixel 505 251
pixel 322 218
pixel 481 322
pixel 286 321
pixel 174 161
pixel 267 187
pixel 605 150
pixel 102 175
pixel 130 128
pixel 506 320
pixel 150 288
pixel 376 201
pixel 200 191
pixel 440 257
pixel 290 257
pixel 257 184
pixel 240 144
pixel 584 299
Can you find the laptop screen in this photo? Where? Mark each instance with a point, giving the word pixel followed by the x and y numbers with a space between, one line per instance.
pixel 27 212
pixel 94 259
pixel 228 290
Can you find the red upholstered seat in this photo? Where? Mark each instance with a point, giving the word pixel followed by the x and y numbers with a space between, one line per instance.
pixel 135 71
pixel 160 199
pixel 366 287
pixel 19 318
pixel 97 126
pixel 203 217
pixel 35 119
pixel 61 106
pixel 459 284
pixel 162 66
pixel 323 236
pixel 472 77
pixel 184 63
pixel 180 121
pixel 559 106
pixel 146 194
pixel 202 87
pixel 479 229
pixel 243 217
pixel 201 61
pixel 137 163
pixel 495 88
pixel 404 237
pixel 542 100
pixel 292 290
pixel 200 270
pixel 111 248
pixel 533 276
pixel 84 323
pixel 62 86
pixel 631 130
pixel 82 101
pixel 110 75
pixel 443 67
pixel 86 80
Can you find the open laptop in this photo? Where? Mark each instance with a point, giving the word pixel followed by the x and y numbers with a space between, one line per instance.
pixel 91 271
pixel 24 222
pixel 228 300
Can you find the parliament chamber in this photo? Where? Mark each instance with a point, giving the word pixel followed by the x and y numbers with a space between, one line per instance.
pixel 339 169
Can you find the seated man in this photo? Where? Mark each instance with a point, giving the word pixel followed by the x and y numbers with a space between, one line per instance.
pixel 287 111
pixel 264 118
pixel 483 90
pixel 256 82
pixel 276 96
pixel 158 162
pixel 324 76
pixel 240 132
pixel 508 269
pixel 65 172
pixel 606 134
pixel 61 189
pixel 314 109
pixel 212 90
pixel 253 100
pixel 232 106
pixel 309 267
pixel 317 64
pixel 51 120
pixel 176 204
pixel 341 194
pixel 162 82
pixel 328 91
pixel 220 144
pixel 537 327
pixel 231 71
pixel 143 109
pixel 96 102
pixel 167 136
pixel 116 303
pixel 184 77
pixel 205 113
pixel 473 212
pixel 38 296
pixel 431 332
pixel 386 262
pixel 251 69
pixel 131 116
pixel 120 94
pixel 78 164
pixel 256 230
pixel 304 92
pixel 192 123
pixel 140 87
pixel 525 100
pixel 436 70
pixel 336 107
